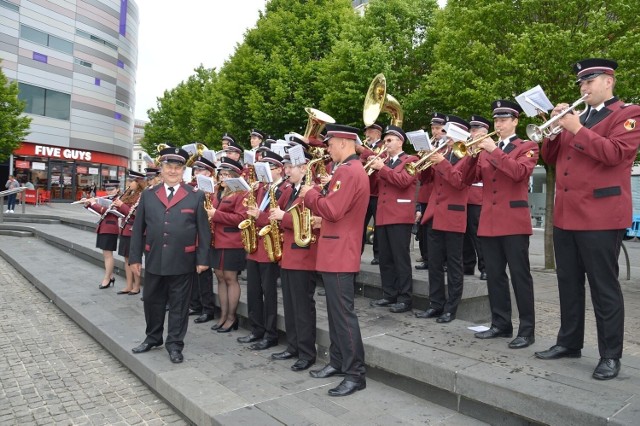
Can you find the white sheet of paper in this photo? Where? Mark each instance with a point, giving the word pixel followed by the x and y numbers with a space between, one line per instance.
pixel 533 101
pixel 263 172
pixel 455 132
pixel 296 153
pixel 190 148
pixel 478 328
pixel 420 140
pixel 280 148
pixel 187 175
pixel 205 183
pixel 249 157
pixel 209 155
pixel 237 184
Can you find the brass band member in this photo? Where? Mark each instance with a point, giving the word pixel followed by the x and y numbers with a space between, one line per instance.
pixel 262 273
pixel 127 206
pixel 373 135
pixel 395 215
pixel 228 255
pixel 298 278
pixel 202 299
pixel 107 231
pixel 342 208
pixel 446 221
pixel 505 222
pixel 593 156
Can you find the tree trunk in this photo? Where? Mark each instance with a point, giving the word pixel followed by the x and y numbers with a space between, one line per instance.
pixel 549 255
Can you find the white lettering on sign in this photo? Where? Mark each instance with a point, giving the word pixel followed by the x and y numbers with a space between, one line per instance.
pixel 70 154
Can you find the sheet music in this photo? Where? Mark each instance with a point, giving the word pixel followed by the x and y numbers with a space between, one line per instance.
pixel 280 148
pixel 456 133
pixel 188 174
pixel 296 153
pixel 237 184
pixel 534 101
pixel 205 183
pixel 249 157
pixel 263 172
pixel 420 140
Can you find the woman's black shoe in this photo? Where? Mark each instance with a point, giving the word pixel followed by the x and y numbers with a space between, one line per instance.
pixel 107 285
pixel 216 326
pixel 228 329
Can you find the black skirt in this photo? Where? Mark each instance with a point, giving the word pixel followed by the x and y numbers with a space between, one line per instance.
pixel 228 259
pixel 123 247
pixel 107 242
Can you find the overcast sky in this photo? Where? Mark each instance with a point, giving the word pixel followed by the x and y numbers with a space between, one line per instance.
pixel 176 37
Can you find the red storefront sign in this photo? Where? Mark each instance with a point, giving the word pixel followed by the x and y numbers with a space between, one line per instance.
pixel 23 164
pixel 71 154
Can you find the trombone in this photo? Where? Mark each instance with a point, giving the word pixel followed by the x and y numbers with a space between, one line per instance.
pixel 460 149
pixel 367 167
pixel 547 129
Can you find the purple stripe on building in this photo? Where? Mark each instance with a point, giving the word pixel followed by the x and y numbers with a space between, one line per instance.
pixel 118 116
pixel 123 17
pixel 120 64
pixel 97 82
pixel 40 57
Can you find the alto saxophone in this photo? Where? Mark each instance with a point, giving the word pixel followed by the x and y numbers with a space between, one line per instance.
pixel 248 226
pixel 208 205
pixel 301 216
pixel 271 233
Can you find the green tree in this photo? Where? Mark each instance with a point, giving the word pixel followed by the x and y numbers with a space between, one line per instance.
pixel 174 121
pixel 500 48
pixel 13 124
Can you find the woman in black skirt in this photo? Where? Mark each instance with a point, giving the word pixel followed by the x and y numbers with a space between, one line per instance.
pixel 228 255
pixel 127 206
pixel 107 230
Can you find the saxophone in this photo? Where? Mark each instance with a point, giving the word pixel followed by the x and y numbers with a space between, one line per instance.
pixel 271 233
pixel 301 216
pixel 248 226
pixel 208 205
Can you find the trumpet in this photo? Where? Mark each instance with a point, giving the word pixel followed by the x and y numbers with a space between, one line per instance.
pixel 367 167
pixel 547 129
pixel 460 149
pixel 423 163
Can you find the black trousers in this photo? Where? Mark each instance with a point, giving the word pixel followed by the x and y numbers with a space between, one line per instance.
pixel 594 254
pixel 371 213
pixel 298 289
pixel 202 299
pixel 262 298
pixel 511 250
pixel 346 352
pixel 472 248
pixel 158 291
pixel 445 247
pixel 422 236
pixel 395 261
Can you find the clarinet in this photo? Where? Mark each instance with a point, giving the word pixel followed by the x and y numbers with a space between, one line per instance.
pixel 132 211
pixel 111 207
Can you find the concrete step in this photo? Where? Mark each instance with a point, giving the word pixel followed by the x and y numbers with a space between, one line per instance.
pixel 442 363
pixel 221 381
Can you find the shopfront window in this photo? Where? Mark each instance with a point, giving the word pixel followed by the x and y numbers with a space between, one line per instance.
pixel 87 180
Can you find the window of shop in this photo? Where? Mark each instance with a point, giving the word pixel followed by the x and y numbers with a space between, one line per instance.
pixel 41 101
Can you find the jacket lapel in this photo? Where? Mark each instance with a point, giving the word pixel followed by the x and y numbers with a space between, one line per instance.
pixel 161 193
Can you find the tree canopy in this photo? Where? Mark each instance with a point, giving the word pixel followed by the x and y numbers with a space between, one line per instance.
pixel 13 124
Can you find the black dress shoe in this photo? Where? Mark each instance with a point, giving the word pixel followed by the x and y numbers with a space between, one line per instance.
pixel 176 356
pixel 607 369
pixel 399 308
pixel 483 276
pixel 347 387
pixel 422 266
pixel 429 313
pixel 203 318
pixel 494 332
pixel 194 312
pixel 284 355
pixel 381 302
pixel 263 344
pixel 248 339
pixel 233 326
pixel 144 347
pixel 522 342
pixel 375 261
pixel 324 372
pixel 302 364
pixel 446 317
pixel 557 351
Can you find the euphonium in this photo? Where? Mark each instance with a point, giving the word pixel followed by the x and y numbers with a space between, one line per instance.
pixel 271 233
pixel 248 226
pixel 301 216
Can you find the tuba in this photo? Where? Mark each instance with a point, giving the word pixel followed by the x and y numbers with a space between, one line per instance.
pixel 301 216
pixel 271 233
pixel 378 100
pixel 159 148
pixel 315 124
pixel 247 227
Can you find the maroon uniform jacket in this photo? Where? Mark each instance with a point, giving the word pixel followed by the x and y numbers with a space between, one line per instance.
pixel 475 195
pixel 505 177
pixel 448 203
pixel 294 256
pixel 426 186
pixel 373 177
pixel 282 194
pixel 229 213
pixel 108 225
pixel 342 210
pixel 593 169
pixel 396 193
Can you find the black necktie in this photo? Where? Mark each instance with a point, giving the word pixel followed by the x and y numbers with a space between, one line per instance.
pixel 170 193
pixel 590 115
pixel 501 144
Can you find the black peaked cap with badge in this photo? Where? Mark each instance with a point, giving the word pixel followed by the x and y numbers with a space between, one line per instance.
pixel 593 67
pixel 259 133
pixel 461 122
pixel 174 155
pixel 341 131
pixel 227 163
pixel 228 137
pixel 479 121
pixel 272 158
pixel 135 175
pixel 203 163
pixel 395 131
pixel 503 108
pixel 438 118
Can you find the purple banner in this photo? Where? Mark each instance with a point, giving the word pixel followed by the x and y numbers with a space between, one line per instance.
pixel 40 57
pixel 123 17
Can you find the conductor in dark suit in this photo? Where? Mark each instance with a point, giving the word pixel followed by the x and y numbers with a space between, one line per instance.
pixel 593 156
pixel 172 224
